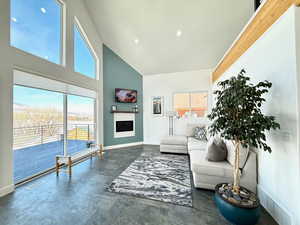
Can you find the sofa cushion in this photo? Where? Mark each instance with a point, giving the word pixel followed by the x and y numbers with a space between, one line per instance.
pixel 231 154
pixel 200 165
pixel 216 150
pixel 194 144
pixel 174 140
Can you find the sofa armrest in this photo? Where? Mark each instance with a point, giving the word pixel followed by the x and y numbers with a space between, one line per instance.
pixel 249 174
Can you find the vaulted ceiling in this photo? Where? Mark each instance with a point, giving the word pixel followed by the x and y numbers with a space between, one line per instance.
pixel 164 36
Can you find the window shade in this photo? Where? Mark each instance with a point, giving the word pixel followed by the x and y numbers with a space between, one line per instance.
pixel 30 80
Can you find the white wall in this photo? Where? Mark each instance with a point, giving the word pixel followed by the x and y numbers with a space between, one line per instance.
pixel 6 79
pixel 166 85
pixel 273 58
pixel 11 58
pixel 297 26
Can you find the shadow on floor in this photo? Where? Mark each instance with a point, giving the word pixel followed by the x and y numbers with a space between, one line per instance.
pixel 83 199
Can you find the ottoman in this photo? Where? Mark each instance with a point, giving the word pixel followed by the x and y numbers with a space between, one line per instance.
pixel 174 144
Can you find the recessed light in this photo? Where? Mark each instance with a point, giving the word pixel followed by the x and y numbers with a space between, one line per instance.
pixel 14 19
pixel 43 10
pixel 178 33
pixel 136 41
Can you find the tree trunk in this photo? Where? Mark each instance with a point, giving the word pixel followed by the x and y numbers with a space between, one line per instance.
pixel 236 175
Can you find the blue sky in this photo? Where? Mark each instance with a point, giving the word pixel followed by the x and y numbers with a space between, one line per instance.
pixel 37 98
pixel 84 60
pixel 36 28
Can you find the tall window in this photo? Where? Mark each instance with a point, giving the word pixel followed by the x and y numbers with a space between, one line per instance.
pixel 81 125
pixel 38 130
pixel 41 115
pixel 36 28
pixel 84 59
pixel 191 102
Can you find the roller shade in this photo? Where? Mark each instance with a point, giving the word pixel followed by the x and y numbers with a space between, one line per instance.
pixel 34 81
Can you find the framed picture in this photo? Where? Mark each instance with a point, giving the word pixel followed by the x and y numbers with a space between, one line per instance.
pixel 157 106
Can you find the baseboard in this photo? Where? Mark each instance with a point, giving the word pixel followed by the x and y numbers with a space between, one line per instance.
pixel 276 210
pixel 155 145
pixel 7 190
pixel 151 143
pixel 122 145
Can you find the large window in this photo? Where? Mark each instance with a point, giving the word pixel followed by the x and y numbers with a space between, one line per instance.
pixel 81 122
pixel 38 130
pixel 84 59
pixel 190 102
pixel 36 28
pixel 41 116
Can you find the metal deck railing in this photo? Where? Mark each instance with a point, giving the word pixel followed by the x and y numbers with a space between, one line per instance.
pixel 37 135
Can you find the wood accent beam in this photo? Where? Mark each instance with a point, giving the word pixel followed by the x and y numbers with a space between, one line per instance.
pixel 268 14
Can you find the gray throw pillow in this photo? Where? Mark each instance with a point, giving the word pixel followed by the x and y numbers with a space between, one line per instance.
pixel 216 151
pixel 200 133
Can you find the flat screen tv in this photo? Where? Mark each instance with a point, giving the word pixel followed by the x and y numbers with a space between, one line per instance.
pixel 125 95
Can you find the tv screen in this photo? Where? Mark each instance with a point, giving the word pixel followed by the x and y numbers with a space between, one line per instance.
pixel 125 95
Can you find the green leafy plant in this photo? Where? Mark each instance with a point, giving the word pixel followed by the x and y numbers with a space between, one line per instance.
pixel 237 116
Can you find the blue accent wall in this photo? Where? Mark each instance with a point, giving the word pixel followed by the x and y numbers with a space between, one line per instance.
pixel 118 74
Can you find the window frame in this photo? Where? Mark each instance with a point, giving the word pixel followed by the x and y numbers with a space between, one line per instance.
pixel 65 113
pixel 65 102
pixel 84 36
pixel 62 51
pixel 189 93
pixel 63 30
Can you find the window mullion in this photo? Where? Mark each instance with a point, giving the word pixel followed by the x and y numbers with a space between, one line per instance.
pixel 190 102
pixel 65 121
pixel 96 139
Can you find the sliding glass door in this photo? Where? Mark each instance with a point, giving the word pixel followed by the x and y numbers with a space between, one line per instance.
pixel 81 124
pixel 37 130
pixel 40 118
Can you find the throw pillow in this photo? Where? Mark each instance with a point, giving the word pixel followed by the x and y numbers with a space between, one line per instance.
pixel 216 150
pixel 200 133
pixel 190 128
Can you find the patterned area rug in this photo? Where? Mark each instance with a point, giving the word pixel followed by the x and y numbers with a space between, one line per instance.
pixel 158 177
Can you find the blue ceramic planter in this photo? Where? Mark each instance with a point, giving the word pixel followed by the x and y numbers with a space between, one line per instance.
pixel 235 214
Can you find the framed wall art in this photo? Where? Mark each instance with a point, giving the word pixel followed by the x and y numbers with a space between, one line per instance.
pixel 157 105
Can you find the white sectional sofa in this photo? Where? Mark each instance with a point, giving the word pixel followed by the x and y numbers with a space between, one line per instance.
pixel 174 144
pixel 195 145
pixel 207 174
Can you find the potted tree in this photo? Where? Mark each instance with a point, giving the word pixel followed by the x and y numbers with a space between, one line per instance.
pixel 237 117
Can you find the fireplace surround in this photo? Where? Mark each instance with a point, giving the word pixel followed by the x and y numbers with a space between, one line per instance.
pixel 124 125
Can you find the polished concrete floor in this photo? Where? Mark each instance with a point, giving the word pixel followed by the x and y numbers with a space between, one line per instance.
pixel 82 199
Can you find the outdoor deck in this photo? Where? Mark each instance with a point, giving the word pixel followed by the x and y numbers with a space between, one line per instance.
pixel 32 160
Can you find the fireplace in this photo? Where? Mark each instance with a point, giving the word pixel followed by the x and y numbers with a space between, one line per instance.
pixel 124 125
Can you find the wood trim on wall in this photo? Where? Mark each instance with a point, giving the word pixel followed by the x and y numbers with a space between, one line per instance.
pixel 267 15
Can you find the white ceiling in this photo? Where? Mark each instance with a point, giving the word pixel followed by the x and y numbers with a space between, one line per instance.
pixel 208 29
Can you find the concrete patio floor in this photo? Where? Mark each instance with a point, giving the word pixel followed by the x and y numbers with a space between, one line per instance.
pixel 32 160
